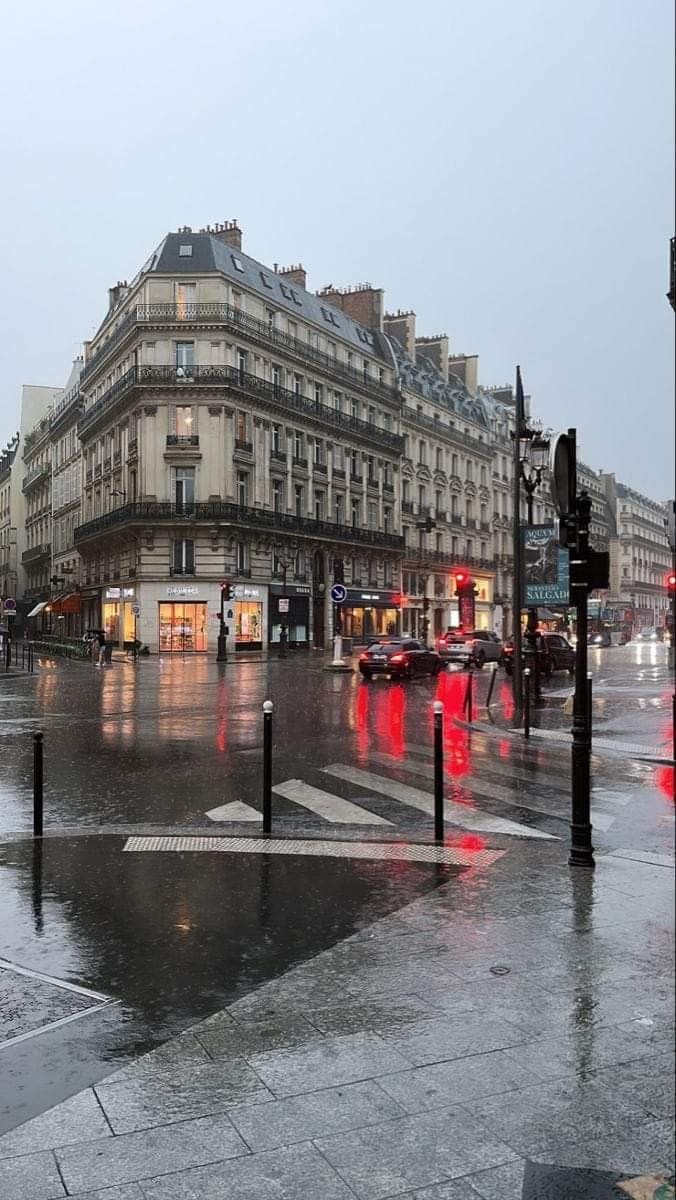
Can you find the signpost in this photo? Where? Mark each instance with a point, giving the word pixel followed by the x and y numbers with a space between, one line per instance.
pixel 338 596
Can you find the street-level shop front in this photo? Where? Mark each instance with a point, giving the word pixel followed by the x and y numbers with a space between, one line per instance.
pixel 249 617
pixel 118 614
pixel 290 607
pixel 368 613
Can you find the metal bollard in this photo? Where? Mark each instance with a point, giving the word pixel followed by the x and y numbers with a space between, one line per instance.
pixel 438 771
pixel 267 766
pixel 37 785
pixel 467 706
pixel 526 705
pixel 494 675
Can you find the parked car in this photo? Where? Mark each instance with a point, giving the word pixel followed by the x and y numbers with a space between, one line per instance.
pixel 477 647
pixel 554 651
pixel 400 660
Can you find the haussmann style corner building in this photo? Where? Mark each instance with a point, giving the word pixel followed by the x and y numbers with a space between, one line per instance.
pixel 235 426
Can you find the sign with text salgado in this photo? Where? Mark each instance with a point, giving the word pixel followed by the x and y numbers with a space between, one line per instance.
pixel 546 571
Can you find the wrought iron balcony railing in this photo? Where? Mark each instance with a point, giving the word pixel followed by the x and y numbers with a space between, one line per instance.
pixel 185 377
pixel 440 428
pixel 224 314
pixel 149 512
pixel 35 476
pixel 178 440
pixel 430 557
pixel 36 553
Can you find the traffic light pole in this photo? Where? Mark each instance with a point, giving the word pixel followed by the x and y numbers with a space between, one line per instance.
pixel 581 849
pixel 517 588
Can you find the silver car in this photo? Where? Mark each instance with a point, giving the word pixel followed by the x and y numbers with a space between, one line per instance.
pixel 475 648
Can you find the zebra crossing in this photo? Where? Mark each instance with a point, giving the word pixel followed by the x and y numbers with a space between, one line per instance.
pixel 512 798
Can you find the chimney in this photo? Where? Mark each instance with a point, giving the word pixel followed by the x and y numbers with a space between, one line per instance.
pixel 436 349
pixel 503 393
pixel 401 325
pixel 466 367
pixel 117 293
pixel 296 274
pixel 362 302
pixel 228 232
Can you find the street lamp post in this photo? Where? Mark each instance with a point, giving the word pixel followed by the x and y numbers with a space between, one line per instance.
pixel 425 525
pixel 533 460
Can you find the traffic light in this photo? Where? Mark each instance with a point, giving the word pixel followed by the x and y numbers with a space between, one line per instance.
pixel 227 590
pixel 594 573
pixel 670 581
pixel 463 582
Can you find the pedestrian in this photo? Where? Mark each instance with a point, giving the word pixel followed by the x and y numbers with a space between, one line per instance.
pixel 100 638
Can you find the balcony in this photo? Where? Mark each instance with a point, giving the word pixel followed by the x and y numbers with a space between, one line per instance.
pixel 36 554
pixel 278 455
pixel 299 462
pixel 439 427
pixel 107 464
pixel 181 571
pixel 117 458
pixel 388 489
pixel 407 506
pixel 216 314
pixel 431 557
pixel 243 446
pixel 179 441
pixel 37 475
pixel 151 512
pixel 319 468
pixel 212 377
pixel 338 473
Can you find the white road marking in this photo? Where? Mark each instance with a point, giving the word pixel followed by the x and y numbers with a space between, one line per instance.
pixel 324 804
pixel 386 851
pixel 235 811
pixel 6 965
pixel 463 815
pixel 83 1012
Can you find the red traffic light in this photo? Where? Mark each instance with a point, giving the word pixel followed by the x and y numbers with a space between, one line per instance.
pixel 670 581
pixel 463 579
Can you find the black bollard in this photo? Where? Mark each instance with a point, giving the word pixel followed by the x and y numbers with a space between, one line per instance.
pixel 468 696
pixel 438 771
pixel 494 675
pixel 526 703
pixel 589 706
pixel 267 766
pixel 37 785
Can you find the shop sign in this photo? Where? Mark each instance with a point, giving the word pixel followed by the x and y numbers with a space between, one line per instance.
pixel 283 604
pixel 546 571
pixel 244 592
pixel 291 589
pixel 114 593
pixel 183 591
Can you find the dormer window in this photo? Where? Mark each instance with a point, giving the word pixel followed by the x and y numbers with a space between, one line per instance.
pixel 185 251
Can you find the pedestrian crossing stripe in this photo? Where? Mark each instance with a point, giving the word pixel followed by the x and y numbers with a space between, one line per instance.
pixel 324 804
pixel 383 851
pixel 545 806
pixel 456 814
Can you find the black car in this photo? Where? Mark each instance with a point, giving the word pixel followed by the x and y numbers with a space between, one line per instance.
pixel 399 659
pixel 555 653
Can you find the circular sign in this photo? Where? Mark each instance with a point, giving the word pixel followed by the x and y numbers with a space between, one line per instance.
pixel 9 604
pixel 562 472
pixel 338 593
pixel 136 610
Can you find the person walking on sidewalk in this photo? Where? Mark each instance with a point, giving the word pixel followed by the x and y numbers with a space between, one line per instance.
pixel 100 638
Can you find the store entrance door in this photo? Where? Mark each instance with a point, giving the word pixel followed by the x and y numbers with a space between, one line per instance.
pixel 183 628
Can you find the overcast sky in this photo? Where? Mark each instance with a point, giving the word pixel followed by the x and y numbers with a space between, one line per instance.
pixel 504 169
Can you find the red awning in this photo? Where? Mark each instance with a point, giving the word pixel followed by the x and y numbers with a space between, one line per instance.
pixel 71 603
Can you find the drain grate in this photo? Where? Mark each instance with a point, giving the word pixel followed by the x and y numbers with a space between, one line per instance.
pixel 390 852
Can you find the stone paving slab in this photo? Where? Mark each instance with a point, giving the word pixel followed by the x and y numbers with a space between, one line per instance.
pixel 327 1063
pixel 78 1119
pixel 31 1177
pixel 301 1118
pixel 294 1173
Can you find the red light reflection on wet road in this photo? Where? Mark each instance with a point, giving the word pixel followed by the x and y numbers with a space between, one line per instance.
pixel 451 691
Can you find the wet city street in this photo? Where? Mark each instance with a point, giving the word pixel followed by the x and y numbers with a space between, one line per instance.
pixel 117 935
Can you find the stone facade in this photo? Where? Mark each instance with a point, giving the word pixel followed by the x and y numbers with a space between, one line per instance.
pixel 640 558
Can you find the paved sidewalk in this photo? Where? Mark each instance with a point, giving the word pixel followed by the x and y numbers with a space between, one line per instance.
pixel 516 1020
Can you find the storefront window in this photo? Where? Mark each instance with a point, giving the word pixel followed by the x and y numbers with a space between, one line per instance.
pixel 248 622
pixel 118 618
pixel 183 628
pixel 361 623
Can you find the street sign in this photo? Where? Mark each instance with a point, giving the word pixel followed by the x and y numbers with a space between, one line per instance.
pixel 9 604
pixel 562 473
pixel 545 567
pixel 136 610
pixel 283 604
pixel 338 593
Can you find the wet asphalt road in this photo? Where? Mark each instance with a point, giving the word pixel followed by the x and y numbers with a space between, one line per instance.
pixel 172 937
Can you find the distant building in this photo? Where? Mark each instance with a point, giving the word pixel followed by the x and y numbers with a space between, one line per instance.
pixel 640 558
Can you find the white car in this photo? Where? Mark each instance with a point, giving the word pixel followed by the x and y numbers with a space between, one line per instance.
pixel 475 648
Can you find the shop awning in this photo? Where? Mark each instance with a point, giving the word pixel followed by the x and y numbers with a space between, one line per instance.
pixel 70 603
pixel 38 608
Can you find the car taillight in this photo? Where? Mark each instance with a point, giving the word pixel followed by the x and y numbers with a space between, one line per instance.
pixel 363 657
pixel 398 658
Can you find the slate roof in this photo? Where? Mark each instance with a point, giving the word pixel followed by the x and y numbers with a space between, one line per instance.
pixel 209 253
pixel 423 377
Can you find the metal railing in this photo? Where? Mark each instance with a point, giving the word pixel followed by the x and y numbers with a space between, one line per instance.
pixel 251 385
pixel 35 553
pixel 34 476
pixel 439 427
pixel 235 514
pixel 218 313
pixel 179 439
